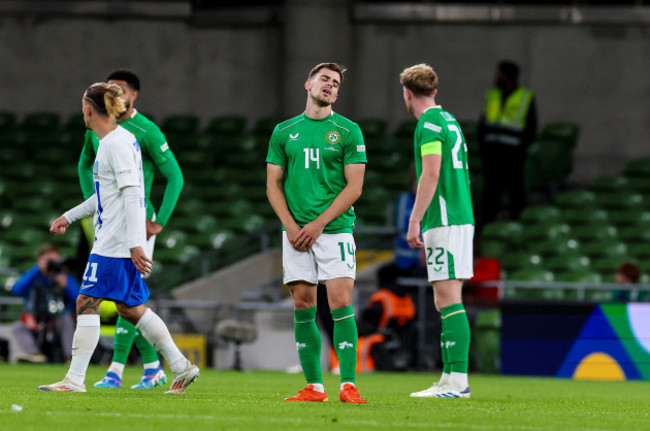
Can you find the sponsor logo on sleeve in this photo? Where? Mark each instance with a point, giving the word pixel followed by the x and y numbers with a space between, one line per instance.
pixel 124 172
pixel 432 126
pixel 164 147
pixel 361 148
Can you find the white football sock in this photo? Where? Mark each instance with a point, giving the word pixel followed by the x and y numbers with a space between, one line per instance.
pixel 444 379
pixel 151 365
pixel 346 383
pixel 84 342
pixel 458 380
pixel 318 387
pixel 156 333
pixel 116 368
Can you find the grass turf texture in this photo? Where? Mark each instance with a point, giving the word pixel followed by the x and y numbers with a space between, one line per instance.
pixel 253 401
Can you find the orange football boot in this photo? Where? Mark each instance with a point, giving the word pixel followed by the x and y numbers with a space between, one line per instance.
pixel 308 394
pixel 350 394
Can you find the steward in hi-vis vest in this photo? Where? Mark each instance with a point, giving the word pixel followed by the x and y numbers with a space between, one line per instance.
pixel 506 130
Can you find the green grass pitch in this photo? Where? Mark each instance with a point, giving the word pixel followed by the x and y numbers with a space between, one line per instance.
pixel 228 400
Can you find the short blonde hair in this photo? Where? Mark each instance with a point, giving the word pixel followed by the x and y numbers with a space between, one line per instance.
pixel 420 79
pixel 105 98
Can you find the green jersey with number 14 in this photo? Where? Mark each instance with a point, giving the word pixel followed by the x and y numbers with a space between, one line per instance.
pixel 438 132
pixel 314 153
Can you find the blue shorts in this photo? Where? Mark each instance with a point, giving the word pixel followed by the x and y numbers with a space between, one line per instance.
pixel 114 278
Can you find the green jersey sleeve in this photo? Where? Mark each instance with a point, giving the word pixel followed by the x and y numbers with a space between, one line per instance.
pixel 157 146
pixel 276 154
pixel 85 166
pixel 354 147
pixel 431 138
pixel 174 176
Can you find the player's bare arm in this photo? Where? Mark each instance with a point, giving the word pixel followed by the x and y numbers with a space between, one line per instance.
pixel 426 189
pixel 354 174
pixel 278 201
pixel 140 260
pixel 153 228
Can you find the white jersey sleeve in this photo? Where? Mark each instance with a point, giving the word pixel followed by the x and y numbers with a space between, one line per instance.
pixel 125 163
pixel 84 209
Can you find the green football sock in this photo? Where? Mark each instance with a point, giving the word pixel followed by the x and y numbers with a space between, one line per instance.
pixel 308 342
pixel 345 342
pixel 456 337
pixel 124 335
pixel 147 351
pixel 446 365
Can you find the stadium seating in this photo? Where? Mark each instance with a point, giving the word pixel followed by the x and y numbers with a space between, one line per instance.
pixel 581 236
pixel 548 164
pixel 540 214
pixel 512 262
pixel 533 275
pixel 579 199
pixel 510 232
pixel 566 132
pixel 639 168
pixel 567 264
pixel 585 216
pixel 555 247
pixel 7 121
pixel 594 232
pixel 180 124
pixel 610 184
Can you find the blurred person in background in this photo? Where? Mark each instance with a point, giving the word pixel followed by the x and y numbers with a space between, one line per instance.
pixel 626 273
pixel 507 128
pixel 156 154
pixel 46 326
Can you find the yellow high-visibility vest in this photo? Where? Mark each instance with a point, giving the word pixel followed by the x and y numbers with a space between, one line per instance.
pixel 511 114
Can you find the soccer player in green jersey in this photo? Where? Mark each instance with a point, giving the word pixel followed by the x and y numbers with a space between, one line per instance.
pixel 315 168
pixel 156 154
pixel 442 221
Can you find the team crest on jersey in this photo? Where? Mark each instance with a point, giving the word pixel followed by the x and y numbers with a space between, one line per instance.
pixel 333 137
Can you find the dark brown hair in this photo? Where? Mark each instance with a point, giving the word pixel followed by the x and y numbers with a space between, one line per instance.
pixel 47 248
pixel 332 66
pixel 630 271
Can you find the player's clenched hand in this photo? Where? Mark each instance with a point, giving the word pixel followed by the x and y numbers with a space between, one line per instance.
pixel 292 230
pixel 413 235
pixel 141 261
pixel 308 236
pixel 59 226
pixel 153 228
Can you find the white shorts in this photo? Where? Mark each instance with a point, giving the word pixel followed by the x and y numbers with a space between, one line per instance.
pixel 331 256
pixel 449 252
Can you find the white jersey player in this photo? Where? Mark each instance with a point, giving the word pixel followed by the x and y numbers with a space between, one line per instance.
pixel 117 260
